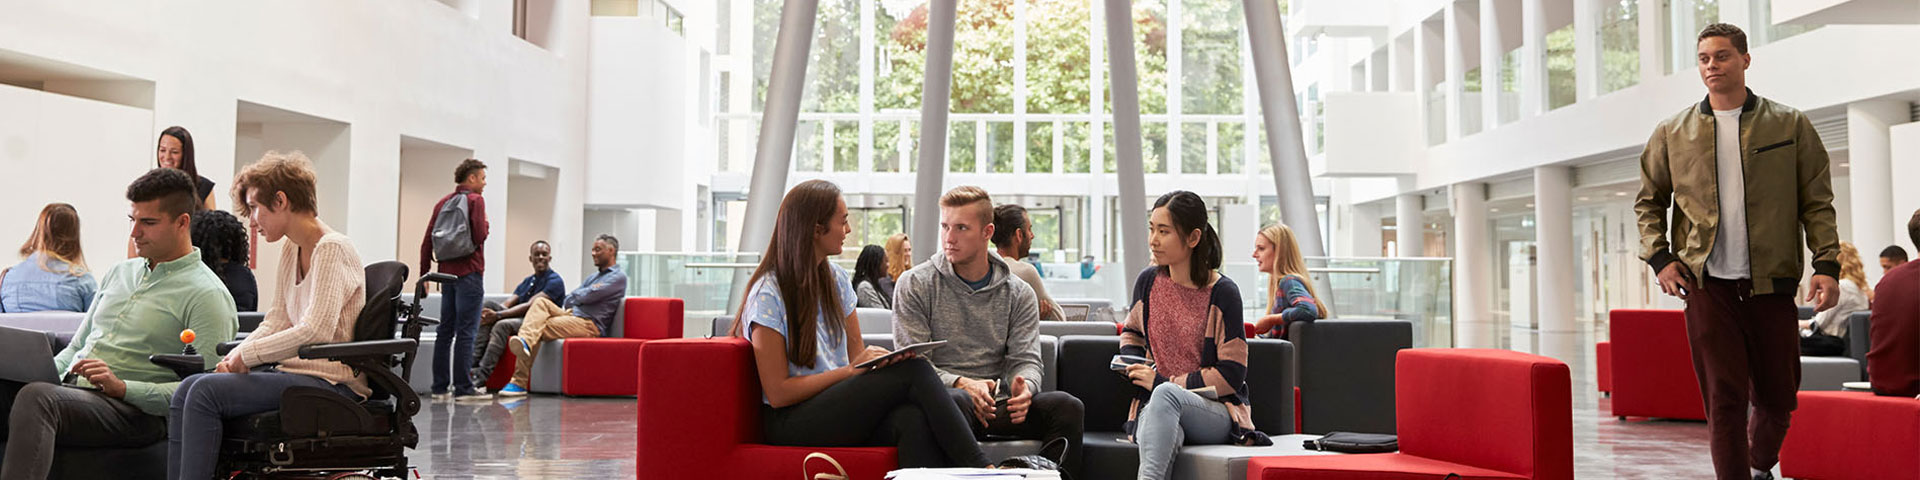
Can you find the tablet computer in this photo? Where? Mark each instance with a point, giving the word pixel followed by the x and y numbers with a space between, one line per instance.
pixel 918 348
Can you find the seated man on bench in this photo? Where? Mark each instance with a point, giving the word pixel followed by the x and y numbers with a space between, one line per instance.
pixel 586 312
pixel 143 305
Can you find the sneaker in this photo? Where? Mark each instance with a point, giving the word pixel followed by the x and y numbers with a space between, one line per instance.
pixel 469 395
pixel 1763 475
pixel 512 390
pixel 520 346
pixel 441 396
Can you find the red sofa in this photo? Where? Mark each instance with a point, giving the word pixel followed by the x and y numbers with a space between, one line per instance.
pixel 1652 366
pixel 1482 414
pixel 699 417
pixel 1853 435
pixel 606 366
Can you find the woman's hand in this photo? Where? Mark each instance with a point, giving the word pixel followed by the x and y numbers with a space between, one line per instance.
pixel 231 364
pixel 1141 375
pixel 873 352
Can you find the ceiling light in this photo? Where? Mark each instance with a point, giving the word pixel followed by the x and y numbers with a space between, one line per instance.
pixel 1496 210
pixel 1529 205
pixel 1584 199
pixel 1845 164
pixel 1619 194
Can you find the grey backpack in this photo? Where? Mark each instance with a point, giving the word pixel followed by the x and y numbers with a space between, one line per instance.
pixel 452 231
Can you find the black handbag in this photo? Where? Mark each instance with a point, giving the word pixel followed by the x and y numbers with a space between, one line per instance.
pixel 1349 442
pixel 1049 458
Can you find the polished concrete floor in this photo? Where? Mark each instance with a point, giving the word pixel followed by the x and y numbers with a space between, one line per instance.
pixel 570 438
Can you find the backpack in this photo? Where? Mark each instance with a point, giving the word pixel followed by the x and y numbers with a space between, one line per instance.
pixel 452 229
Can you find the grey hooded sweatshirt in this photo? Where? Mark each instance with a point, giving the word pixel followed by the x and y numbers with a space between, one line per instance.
pixel 991 334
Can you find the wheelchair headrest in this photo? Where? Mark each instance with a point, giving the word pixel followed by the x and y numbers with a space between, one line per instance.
pixel 385 281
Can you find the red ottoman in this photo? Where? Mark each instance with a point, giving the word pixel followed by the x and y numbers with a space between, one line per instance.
pixel 1603 362
pixel 1853 435
pixel 606 366
pixel 503 371
pixel 1652 372
pixel 1481 414
pixel 699 417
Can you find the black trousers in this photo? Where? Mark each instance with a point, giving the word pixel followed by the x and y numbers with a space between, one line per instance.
pixel 1053 415
pixel 1822 345
pixel 902 405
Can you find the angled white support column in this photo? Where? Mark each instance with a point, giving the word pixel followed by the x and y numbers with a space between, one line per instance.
pixel 1871 178
pixel 773 157
pixel 1456 67
pixel 1126 136
pixel 1285 146
pixel 1533 58
pixel 1473 324
pixel 1553 236
pixel 1586 49
pixel 932 169
pixel 1491 65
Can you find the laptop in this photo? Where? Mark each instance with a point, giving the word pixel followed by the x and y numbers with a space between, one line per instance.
pixel 31 357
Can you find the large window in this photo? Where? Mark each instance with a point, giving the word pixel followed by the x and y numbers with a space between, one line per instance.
pixel 1619 37
pixel 1687 19
pixel 1560 68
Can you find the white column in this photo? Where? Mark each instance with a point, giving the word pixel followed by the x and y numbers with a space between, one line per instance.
pixel 1586 49
pixel 1653 33
pixel 1473 324
pixel 1456 67
pixel 1281 117
pixel 929 180
pixel 1533 58
pixel 1409 215
pixel 1871 176
pixel 1490 64
pixel 1553 237
pixel 1126 131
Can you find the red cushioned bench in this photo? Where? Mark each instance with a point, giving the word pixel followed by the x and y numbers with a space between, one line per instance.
pixel 1481 414
pixel 699 417
pixel 1603 363
pixel 1853 435
pixel 1652 366
pixel 606 366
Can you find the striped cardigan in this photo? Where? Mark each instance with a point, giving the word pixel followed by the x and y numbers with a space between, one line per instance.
pixel 1223 355
pixel 339 292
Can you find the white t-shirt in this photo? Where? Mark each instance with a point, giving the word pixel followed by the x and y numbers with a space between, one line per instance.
pixel 1729 257
pixel 300 298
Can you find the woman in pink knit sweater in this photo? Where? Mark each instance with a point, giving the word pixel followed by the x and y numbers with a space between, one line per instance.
pixel 322 288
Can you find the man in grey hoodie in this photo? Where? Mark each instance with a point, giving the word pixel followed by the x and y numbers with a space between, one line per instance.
pixel 963 295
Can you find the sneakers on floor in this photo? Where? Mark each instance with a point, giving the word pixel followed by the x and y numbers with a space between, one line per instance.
pixel 470 395
pixel 512 390
pixel 441 396
pixel 1762 475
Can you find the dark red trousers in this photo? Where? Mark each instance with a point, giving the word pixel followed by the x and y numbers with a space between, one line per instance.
pixel 1746 349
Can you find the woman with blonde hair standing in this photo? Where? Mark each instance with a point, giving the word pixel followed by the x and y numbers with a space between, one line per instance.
pixel 53 275
pixel 1289 287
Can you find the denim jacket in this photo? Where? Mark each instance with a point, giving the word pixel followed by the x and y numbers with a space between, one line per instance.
pixel 29 288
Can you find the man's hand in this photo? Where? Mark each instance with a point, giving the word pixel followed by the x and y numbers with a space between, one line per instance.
pixel 231 364
pixel 487 315
pixel 1824 294
pixel 982 393
pixel 1675 280
pixel 1021 401
pixel 98 374
pixel 1141 375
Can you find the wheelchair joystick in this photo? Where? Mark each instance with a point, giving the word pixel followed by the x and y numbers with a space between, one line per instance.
pixel 186 337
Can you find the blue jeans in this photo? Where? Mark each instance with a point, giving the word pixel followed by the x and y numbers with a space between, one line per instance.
pixel 202 403
pixel 1175 417
pixel 459 324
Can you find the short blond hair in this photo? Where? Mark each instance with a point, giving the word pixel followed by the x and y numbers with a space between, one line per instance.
pixel 965 195
pixel 290 173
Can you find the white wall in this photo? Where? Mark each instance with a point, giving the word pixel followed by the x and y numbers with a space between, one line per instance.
pixel 323 143
pixel 71 150
pixel 1906 201
pixel 530 205
pixel 386 68
pixel 636 142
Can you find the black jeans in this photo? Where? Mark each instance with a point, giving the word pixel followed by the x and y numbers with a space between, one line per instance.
pixel 43 416
pixel 903 405
pixel 1822 345
pixel 1052 415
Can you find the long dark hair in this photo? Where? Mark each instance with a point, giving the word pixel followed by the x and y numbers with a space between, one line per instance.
pixel 186 150
pixel 1189 212
pixel 803 275
pixel 871 266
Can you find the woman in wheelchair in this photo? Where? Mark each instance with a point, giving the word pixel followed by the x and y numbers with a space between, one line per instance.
pixel 799 316
pixel 321 291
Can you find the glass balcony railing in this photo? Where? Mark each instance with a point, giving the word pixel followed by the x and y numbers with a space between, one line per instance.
pixel 1419 290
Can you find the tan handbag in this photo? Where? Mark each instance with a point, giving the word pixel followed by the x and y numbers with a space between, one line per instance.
pixel 822 475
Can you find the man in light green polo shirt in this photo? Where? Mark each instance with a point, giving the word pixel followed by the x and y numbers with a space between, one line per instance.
pixel 142 306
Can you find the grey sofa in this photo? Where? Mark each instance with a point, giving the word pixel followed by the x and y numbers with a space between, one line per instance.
pixel 1061 329
pixel 1346 373
pixel 1106 395
pixel 1828 373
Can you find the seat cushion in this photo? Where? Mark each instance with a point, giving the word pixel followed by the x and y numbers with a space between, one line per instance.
pixel 766 461
pixel 1379 466
pixel 1842 435
pixel 1827 373
pixel 1109 455
pixel 265 427
pixel 1229 462
pixel 600 366
pixel 998 450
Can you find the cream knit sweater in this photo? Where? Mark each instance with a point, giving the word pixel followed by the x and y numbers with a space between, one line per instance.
pixel 339 291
